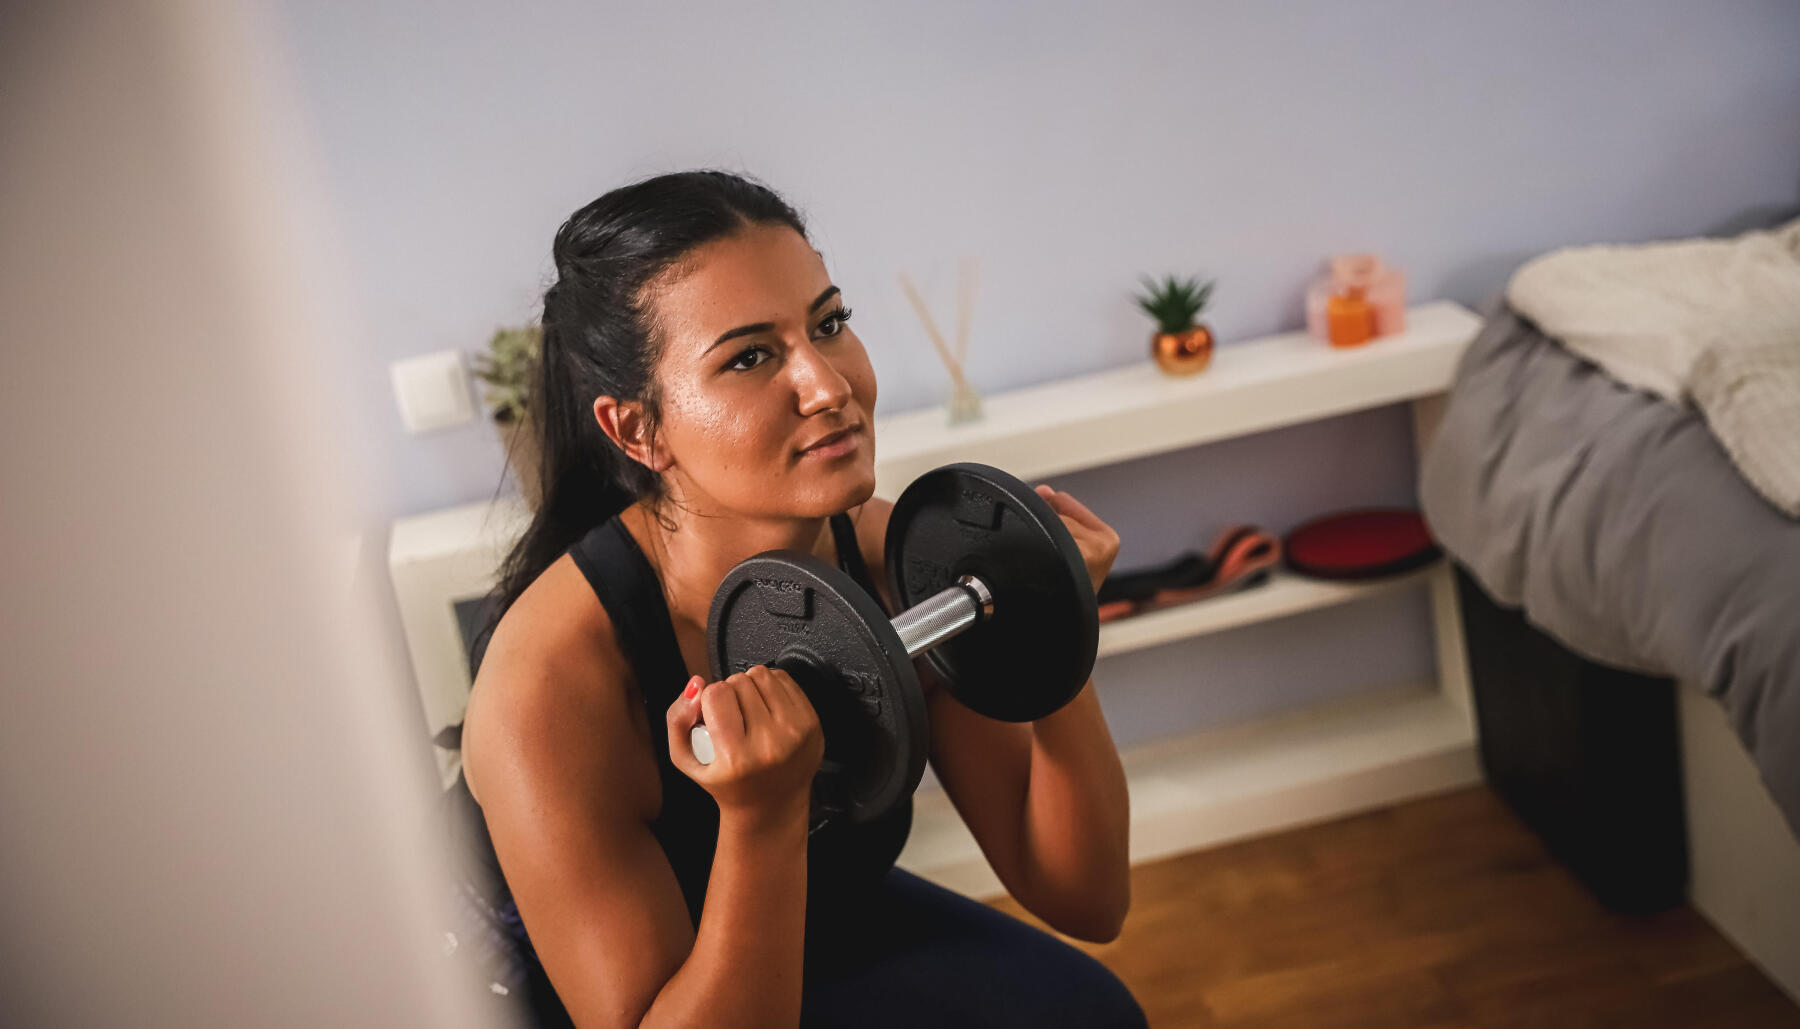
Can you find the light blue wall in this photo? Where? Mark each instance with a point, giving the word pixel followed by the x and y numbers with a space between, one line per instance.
pixel 1071 147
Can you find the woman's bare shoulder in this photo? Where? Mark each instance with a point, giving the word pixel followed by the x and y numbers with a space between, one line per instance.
pixel 555 695
pixel 871 521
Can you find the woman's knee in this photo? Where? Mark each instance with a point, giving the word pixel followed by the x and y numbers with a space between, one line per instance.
pixel 1043 979
pixel 1078 989
pixel 944 954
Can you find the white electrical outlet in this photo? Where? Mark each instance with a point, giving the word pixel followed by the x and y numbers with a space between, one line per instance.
pixel 432 391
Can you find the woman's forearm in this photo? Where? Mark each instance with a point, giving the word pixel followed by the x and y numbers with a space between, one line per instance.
pixel 746 962
pixel 1077 823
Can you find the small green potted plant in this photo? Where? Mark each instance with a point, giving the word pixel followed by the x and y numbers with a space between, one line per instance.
pixel 1182 345
pixel 508 367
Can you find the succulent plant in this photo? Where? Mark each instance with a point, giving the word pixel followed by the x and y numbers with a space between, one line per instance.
pixel 1175 303
pixel 508 367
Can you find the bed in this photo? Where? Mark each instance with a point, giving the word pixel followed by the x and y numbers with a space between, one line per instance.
pixel 1615 524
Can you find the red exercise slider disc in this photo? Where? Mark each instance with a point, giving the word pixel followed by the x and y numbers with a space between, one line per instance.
pixel 1365 544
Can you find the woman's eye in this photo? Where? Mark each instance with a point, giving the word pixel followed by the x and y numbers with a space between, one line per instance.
pixel 835 320
pixel 737 365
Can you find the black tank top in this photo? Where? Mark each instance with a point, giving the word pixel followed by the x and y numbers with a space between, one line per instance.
pixel 845 861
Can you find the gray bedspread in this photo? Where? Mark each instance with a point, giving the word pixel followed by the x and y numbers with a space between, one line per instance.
pixel 1619 525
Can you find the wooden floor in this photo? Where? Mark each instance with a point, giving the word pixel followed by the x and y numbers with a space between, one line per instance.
pixel 1442 912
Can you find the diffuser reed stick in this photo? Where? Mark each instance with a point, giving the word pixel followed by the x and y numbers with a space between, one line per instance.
pixel 965 403
pixel 931 330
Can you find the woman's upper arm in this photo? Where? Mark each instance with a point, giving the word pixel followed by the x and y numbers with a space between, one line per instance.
pixel 563 790
pixel 982 763
pixel 985 767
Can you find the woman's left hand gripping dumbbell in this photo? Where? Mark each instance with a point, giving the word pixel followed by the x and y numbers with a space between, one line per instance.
pixel 760 744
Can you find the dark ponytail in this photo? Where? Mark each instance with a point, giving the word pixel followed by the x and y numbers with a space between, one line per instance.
pixel 600 340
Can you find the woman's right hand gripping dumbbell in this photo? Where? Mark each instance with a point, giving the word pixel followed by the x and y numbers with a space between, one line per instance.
pixel 765 740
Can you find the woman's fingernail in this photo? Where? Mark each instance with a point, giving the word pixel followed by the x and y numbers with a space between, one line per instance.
pixel 693 688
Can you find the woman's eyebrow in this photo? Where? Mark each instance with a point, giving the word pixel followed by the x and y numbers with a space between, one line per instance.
pixel 750 330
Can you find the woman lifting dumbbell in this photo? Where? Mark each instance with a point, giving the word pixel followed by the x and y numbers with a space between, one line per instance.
pixel 703 400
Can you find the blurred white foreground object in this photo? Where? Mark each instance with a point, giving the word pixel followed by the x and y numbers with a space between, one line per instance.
pixel 212 791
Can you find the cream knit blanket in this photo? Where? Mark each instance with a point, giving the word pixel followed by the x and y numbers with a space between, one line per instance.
pixel 1715 322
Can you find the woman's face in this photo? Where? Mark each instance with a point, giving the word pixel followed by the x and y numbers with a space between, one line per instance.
pixel 759 364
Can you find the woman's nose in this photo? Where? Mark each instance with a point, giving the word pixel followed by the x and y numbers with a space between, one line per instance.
pixel 816 380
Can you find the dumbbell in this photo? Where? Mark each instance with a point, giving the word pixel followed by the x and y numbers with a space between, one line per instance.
pixel 994 594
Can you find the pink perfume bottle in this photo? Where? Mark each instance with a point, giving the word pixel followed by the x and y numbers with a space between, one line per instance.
pixel 1357 299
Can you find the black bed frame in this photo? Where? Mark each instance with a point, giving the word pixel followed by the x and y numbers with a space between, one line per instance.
pixel 1589 756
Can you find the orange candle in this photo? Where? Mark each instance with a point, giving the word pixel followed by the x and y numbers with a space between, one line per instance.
pixel 1349 318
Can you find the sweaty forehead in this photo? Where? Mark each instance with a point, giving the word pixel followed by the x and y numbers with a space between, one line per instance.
pixel 762 274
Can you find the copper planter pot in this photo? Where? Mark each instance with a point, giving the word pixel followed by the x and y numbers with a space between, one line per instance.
pixel 1183 353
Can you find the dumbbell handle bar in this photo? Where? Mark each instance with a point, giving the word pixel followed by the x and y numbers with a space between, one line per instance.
pixel 944 614
pixel 941 616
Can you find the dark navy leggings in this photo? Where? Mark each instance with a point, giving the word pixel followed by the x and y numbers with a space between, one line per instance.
pixel 915 955
pixel 921 955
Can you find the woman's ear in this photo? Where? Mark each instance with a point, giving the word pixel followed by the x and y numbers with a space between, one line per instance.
pixel 627 427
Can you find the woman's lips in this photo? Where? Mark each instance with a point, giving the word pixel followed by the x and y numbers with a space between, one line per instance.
pixel 836 445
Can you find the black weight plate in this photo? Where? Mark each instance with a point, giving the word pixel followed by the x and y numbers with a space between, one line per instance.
pixel 1037 649
pixel 788 608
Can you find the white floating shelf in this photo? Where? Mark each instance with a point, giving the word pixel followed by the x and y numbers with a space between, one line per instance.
pixel 436 560
pixel 482 529
pixel 1137 410
pixel 1188 792
pixel 1284 594
pixel 1212 787
pixel 1097 419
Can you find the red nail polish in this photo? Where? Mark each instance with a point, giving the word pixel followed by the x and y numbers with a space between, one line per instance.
pixel 692 689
